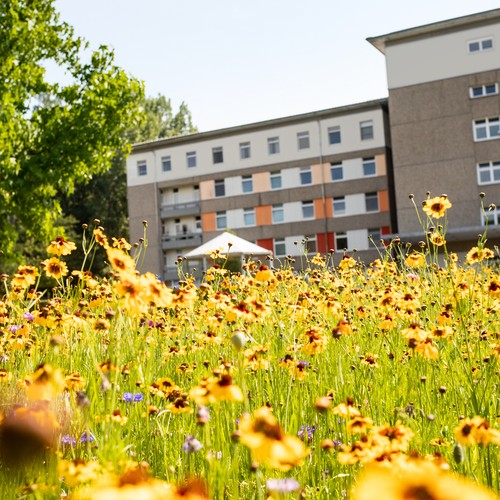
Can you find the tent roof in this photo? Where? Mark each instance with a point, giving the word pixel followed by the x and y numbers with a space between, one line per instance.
pixel 228 243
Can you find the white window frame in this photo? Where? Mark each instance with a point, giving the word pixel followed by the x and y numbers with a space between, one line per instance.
pixel 308 209
pixel 333 133
pixel 341 237
pixel 483 90
pixel 490 126
pixel 249 216
pixel 142 168
pixel 278 213
pixel 217 155
pixel 221 219
pixel 166 163
pixel 273 145
pixel 492 168
pixel 246 184
pixel 191 159
pixel 336 166
pixel 305 174
pixel 481 43
pixel 339 206
pixel 493 217
pixel 278 245
pixel 368 163
pixel 303 141
pixel 245 151
pixel 275 175
pixel 370 197
pixel 220 186
pixel 366 130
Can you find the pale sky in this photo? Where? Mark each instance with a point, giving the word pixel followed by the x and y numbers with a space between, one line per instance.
pixel 235 62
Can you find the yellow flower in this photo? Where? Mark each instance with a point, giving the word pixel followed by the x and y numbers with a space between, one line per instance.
pixel 476 254
pixel 45 384
pixel 121 243
pixel 268 443
pixel 436 207
pixel 415 480
pixel 476 430
pixel 25 276
pixel 214 389
pixel 61 247
pixel 264 274
pixel 415 259
pixel 358 424
pixel 437 239
pixel 347 262
pixel 347 409
pixel 120 261
pixel 100 237
pixel 55 268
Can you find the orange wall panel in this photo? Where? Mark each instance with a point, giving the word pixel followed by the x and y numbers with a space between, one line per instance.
pixel 261 182
pixel 381 164
pixel 383 198
pixel 263 215
pixel 319 209
pixel 207 190
pixel 267 244
pixel 208 221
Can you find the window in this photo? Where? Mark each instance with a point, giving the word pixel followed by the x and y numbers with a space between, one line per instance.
pixel 308 209
pixel 273 145
pixel 374 237
pixel 486 129
pixel 336 171
pixel 166 163
pixel 217 155
pixel 247 184
pixel 249 216
pixel 341 242
pixel 278 213
pixel 366 129
pixel 371 202
pixel 198 224
pixel 142 167
pixel 334 135
pixel 279 248
pixel 275 179
pixel 338 206
pixel 488 172
pixel 369 168
pixel 491 217
pixel 191 159
pixel 310 244
pixel 305 175
pixel 483 90
pixel 221 220
pixel 480 45
pixel 303 140
pixel 244 150
pixel 220 187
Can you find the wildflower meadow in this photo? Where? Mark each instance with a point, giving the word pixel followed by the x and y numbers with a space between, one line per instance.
pixel 344 380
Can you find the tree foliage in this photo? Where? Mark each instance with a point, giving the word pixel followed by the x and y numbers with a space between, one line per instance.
pixel 54 136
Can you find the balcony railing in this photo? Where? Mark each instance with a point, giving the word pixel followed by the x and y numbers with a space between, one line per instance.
pixel 179 209
pixel 181 240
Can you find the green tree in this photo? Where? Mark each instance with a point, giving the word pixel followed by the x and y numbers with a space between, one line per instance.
pixel 53 136
pixel 105 196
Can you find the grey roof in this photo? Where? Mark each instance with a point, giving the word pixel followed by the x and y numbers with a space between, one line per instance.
pixel 455 24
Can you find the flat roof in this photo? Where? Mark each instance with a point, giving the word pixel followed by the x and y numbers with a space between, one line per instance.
pixel 455 24
pixel 313 115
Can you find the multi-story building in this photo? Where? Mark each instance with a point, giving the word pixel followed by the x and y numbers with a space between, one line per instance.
pixel 321 177
pixel 444 108
pixel 334 177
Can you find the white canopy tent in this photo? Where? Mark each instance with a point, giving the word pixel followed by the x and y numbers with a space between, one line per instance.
pixel 227 244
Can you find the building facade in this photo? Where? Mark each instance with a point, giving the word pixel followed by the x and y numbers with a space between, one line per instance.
pixel 308 183
pixel 444 108
pixel 340 178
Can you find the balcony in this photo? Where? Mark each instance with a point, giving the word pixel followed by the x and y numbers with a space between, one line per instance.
pixel 180 241
pixel 177 210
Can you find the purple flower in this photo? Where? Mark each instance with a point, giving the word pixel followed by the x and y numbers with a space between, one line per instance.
pixel 67 439
pixel 28 316
pixel 286 485
pixel 130 397
pixel 191 444
pixel 14 328
pixel 87 437
pixel 306 433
